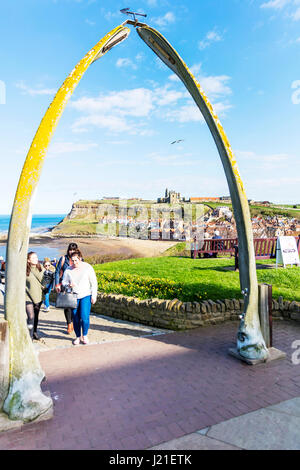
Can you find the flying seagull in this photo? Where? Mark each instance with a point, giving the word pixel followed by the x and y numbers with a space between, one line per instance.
pixel 177 141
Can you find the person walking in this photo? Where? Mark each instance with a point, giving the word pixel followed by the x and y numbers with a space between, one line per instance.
pixel 81 277
pixel 49 275
pixel 34 292
pixel 64 263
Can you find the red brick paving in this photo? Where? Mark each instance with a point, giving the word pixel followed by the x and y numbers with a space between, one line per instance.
pixel 138 393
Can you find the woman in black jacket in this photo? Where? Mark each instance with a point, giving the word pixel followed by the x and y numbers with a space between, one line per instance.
pixel 63 263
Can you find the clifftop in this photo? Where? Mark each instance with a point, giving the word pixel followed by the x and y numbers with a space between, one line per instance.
pixel 137 218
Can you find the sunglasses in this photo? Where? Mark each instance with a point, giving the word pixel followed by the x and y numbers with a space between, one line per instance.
pixel 47 265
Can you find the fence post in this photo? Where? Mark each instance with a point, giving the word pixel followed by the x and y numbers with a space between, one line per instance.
pixel 270 295
pixel 265 311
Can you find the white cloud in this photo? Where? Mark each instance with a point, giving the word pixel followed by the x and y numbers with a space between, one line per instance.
pixel 174 78
pixel 125 62
pixel 26 90
pixel 276 4
pixel 109 15
pixel 140 56
pixel 215 87
pixel 111 123
pixel 163 21
pixel 90 23
pixel 278 182
pixel 210 38
pixel 296 14
pixel 290 7
pixel 164 96
pixel 117 142
pixel 220 108
pixel 270 161
pixel 58 148
pixel 171 160
pixel 191 113
pixel 252 155
pixel 185 113
pixel 116 111
pixel 136 102
pixel 131 110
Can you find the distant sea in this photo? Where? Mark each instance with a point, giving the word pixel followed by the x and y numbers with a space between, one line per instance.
pixel 41 223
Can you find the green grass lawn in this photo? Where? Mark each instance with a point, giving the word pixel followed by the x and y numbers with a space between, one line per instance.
pixel 189 280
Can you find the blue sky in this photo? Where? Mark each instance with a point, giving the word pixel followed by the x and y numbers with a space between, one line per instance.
pixel 114 138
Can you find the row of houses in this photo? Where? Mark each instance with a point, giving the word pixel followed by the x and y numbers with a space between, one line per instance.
pixel 166 225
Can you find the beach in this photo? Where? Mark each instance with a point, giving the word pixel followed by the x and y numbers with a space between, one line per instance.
pixel 96 246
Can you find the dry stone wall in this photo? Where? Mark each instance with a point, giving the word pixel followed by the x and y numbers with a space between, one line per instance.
pixel 177 315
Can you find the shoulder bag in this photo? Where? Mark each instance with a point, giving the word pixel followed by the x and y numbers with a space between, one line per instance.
pixel 66 299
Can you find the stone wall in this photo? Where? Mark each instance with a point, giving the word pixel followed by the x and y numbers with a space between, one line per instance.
pixel 177 315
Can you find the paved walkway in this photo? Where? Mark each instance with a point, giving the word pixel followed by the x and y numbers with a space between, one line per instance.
pixel 52 329
pixel 142 388
pixel 275 427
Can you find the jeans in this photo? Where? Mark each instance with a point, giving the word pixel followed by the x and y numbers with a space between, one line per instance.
pixel 47 295
pixel 81 316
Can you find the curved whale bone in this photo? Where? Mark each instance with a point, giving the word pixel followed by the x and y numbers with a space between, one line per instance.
pixel 250 340
pixel 25 400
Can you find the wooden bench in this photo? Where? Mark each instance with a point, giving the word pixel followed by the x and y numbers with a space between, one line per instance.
pixel 265 248
pixel 213 247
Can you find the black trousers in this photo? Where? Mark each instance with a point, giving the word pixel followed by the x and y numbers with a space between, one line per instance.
pixel 68 315
pixel 32 311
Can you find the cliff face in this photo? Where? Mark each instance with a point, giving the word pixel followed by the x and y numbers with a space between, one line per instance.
pixel 124 218
pixel 83 218
pixel 83 211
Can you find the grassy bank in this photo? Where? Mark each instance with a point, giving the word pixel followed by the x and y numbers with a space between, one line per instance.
pixel 188 280
pixel 76 227
pixel 274 212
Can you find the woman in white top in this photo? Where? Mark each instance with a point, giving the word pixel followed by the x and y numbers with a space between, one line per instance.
pixel 82 278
